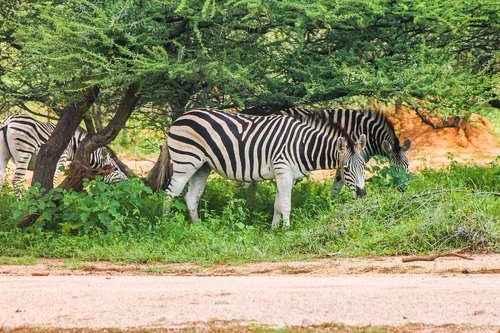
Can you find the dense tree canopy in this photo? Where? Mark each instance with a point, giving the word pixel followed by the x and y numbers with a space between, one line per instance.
pixel 253 54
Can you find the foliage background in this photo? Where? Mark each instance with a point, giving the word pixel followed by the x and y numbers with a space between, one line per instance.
pixel 252 54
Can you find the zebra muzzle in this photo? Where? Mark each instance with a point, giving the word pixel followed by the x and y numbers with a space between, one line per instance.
pixel 360 192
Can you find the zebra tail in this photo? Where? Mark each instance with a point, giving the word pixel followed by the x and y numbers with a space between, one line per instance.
pixel 159 177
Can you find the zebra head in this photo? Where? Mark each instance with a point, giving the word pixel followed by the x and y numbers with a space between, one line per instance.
pixel 397 153
pixel 352 163
pixel 103 156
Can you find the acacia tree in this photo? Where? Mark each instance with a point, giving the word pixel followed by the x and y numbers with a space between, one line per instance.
pixel 257 55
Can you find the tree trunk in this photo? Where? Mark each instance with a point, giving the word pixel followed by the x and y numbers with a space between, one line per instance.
pixel 109 133
pixel 52 150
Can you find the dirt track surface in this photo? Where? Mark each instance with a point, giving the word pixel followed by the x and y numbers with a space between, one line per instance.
pixel 379 291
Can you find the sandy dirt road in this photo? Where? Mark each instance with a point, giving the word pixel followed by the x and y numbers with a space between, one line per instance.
pixel 430 294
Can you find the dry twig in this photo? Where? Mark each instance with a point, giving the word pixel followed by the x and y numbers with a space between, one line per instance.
pixel 433 257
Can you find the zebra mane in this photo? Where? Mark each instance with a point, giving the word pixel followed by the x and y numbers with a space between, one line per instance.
pixel 388 126
pixel 319 117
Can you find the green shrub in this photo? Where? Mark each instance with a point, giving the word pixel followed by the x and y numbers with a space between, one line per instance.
pixel 7 199
pixel 386 174
pixel 111 208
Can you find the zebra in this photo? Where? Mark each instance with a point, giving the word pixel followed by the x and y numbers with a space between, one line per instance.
pixel 379 131
pixel 252 148
pixel 21 139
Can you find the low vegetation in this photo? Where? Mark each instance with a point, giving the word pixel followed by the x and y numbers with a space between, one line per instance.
pixel 450 209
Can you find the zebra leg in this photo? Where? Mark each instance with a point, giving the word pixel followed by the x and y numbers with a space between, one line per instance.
pixel 22 163
pixel 4 160
pixel 196 186
pixel 182 173
pixel 283 201
pixel 60 164
pixel 337 184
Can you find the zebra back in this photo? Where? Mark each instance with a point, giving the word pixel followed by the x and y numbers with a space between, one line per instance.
pixel 247 148
pixel 381 136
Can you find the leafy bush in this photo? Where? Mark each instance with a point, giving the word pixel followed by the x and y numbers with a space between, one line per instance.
pixel 112 208
pixel 7 199
pixel 389 175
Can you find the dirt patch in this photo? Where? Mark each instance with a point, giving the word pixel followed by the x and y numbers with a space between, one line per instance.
pixel 474 141
pixel 482 264
pixel 444 303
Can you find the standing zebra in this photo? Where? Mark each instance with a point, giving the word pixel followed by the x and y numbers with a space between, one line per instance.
pixel 252 148
pixel 380 134
pixel 21 138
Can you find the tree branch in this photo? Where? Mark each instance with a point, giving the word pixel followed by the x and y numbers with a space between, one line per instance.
pixel 27 109
pixel 179 30
pixel 446 124
pixel 109 133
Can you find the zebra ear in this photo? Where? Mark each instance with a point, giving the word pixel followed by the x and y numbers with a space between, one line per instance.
pixel 341 145
pixel 406 145
pixel 361 143
pixel 386 147
pixel 105 155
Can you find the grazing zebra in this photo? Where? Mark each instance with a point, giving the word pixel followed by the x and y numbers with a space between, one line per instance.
pixel 380 134
pixel 252 148
pixel 21 138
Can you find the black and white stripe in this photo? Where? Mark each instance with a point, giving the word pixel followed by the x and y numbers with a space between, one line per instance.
pixel 21 137
pixel 380 134
pixel 252 148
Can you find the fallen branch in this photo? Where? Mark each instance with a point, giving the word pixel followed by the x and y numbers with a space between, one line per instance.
pixel 78 171
pixel 433 257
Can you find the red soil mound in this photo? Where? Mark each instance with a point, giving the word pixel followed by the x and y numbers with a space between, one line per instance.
pixel 473 140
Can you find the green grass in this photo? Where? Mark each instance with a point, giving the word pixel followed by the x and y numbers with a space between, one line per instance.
pixel 18 261
pixel 442 210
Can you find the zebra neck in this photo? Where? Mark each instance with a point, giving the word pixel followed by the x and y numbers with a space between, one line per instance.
pixel 320 151
pixel 374 147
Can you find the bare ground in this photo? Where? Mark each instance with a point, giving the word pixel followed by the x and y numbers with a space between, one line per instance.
pixel 448 294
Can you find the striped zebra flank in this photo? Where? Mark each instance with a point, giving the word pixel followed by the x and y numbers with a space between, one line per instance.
pixel 253 148
pixel 380 134
pixel 21 138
